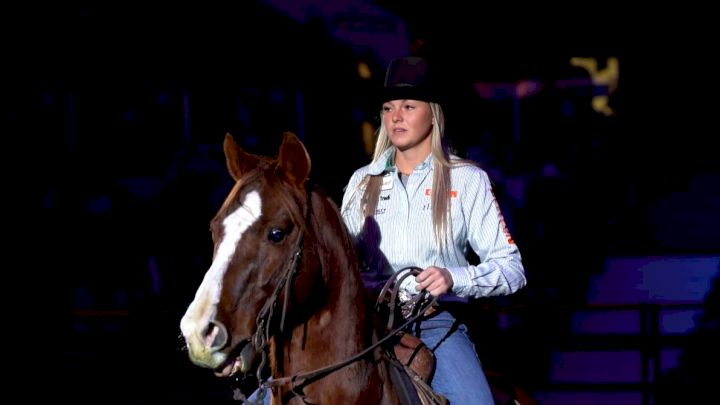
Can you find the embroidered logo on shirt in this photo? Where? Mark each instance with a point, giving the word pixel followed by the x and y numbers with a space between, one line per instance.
pixel 453 193
pixel 387 182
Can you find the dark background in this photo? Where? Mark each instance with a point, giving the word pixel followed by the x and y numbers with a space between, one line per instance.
pixel 115 115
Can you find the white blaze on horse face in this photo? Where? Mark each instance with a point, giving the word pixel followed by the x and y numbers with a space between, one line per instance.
pixel 204 307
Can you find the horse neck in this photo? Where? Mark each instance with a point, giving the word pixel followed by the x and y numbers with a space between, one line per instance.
pixel 343 315
pixel 332 335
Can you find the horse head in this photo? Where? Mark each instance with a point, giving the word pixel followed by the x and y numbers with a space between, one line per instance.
pixel 257 235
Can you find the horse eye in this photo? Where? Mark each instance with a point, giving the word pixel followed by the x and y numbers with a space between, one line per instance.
pixel 276 235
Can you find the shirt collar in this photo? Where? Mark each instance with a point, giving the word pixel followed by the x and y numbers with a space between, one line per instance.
pixel 384 164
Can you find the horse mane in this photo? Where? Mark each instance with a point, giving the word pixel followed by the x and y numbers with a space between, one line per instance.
pixel 326 213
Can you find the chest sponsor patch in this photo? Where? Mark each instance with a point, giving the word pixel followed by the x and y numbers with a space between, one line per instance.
pixel 453 193
pixel 387 182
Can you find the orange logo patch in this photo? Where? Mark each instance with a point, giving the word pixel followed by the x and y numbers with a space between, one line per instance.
pixel 453 193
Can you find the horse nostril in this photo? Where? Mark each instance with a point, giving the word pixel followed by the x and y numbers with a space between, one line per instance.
pixel 216 336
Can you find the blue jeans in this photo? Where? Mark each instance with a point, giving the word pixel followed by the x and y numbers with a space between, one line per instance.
pixel 458 371
pixel 254 396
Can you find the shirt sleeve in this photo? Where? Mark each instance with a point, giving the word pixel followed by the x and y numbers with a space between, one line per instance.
pixel 500 271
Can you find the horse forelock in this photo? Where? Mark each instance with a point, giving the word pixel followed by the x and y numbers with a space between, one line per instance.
pixel 240 183
pixel 268 175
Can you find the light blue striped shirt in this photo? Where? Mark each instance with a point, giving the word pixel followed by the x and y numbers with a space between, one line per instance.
pixel 401 233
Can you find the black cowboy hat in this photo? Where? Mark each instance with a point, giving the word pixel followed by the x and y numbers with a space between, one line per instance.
pixel 410 78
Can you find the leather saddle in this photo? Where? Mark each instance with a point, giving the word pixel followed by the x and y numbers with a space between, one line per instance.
pixel 414 355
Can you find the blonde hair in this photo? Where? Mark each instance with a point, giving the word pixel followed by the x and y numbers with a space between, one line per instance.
pixel 441 187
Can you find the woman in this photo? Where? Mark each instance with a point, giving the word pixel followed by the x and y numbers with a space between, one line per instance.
pixel 416 204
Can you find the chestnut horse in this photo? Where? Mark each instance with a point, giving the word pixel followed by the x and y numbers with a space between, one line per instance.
pixel 285 281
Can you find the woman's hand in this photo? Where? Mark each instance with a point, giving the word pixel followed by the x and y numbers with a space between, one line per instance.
pixel 436 280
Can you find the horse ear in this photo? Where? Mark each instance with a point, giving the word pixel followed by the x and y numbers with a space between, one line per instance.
pixel 294 159
pixel 237 160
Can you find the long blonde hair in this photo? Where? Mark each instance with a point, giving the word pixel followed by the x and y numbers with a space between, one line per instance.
pixel 440 193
